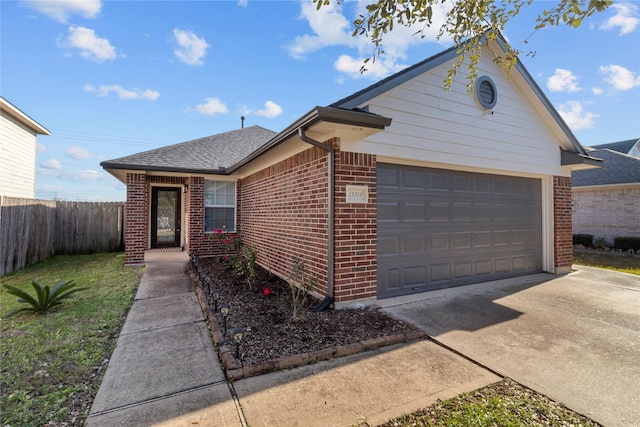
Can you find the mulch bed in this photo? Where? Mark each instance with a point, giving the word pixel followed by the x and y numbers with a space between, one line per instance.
pixel 273 340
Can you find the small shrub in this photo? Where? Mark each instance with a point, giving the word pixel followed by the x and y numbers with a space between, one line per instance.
pixel 299 284
pixel 626 243
pixel 45 297
pixel 585 240
pixel 238 256
pixel 600 243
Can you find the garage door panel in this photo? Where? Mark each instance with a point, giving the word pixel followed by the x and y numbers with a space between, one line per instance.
pixel 459 228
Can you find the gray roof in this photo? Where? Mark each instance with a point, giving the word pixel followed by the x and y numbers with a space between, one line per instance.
pixel 208 155
pixel 617 168
pixel 620 146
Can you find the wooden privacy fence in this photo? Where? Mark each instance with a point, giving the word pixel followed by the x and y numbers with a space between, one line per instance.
pixel 33 230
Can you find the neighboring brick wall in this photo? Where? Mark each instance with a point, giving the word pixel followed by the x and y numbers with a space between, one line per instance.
pixel 284 214
pixel 356 229
pixel 607 212
pixel 136 219
pixel 562 231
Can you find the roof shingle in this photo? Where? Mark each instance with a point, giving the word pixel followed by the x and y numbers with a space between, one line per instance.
pixel 210 153
pixel 617 168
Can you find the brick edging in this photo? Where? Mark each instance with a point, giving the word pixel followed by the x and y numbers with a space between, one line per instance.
pixel 236 372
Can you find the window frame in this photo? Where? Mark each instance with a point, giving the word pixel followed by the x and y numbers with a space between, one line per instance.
pixel 234 206
pixel 484 103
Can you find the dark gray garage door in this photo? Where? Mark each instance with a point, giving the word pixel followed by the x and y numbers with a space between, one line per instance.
pixel 439 228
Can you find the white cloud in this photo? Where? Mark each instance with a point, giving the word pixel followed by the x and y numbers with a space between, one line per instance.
pixel 60 10
pixel 381 67
pixel 191 49
pixel 40 148
pixel 212 107
pixel 51 164
pixel 91 46
pixel 597 90
pixel 271 110
pixel 126 94
pixel 619 77
pixel 330 27
pixel 243 3
pixel 76 152
pixel 575 116
pixel 563 80
pixel 626 18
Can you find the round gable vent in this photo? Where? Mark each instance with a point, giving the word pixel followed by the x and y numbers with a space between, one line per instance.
pixel 486 92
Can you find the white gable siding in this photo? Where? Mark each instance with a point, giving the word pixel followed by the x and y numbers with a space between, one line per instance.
pixel 17 159
pixel 451 129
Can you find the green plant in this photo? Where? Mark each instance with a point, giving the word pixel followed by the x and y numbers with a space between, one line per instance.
pixel 250 265
pixel 45 297
pixel 52 367
pixel 585 240
pixel 238 256
pixel 600 243
pixel 626 243
pixel 299 284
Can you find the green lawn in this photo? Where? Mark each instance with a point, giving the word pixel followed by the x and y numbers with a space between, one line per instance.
pixel 617 262
pixel 52 364
pixel 503 404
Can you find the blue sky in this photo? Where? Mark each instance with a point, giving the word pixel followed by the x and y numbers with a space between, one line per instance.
pixel 113 78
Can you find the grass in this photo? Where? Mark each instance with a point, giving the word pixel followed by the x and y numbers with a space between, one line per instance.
pixel 505 404
pixel 52 364
pixel 617 262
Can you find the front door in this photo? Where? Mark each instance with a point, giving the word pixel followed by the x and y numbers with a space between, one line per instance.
pixel 165 217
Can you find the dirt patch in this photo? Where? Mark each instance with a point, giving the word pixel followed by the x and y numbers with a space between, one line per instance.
pixel 273 336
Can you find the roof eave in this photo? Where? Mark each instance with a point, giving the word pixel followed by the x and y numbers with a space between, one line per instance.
pixel 23 118
pixel 545 101
pixel 315 116
pixel 109 166
pixel 577 160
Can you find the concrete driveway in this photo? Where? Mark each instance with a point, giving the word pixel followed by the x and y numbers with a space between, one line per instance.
pixel 574 338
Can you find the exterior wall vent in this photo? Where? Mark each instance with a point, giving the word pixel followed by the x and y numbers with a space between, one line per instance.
pixel 486 92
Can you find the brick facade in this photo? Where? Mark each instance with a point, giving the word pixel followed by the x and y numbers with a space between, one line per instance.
pixel 607 212
pixel 356 253
pixel 284 214
pixel 562 230
pixel 136 219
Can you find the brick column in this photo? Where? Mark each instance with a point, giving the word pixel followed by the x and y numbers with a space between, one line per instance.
pixel 356 255
pixel 135 225
pixel 194 218
pixel 562 226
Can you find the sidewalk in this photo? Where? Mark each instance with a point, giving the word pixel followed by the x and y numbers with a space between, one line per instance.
pixel 164 369
pixel 165 372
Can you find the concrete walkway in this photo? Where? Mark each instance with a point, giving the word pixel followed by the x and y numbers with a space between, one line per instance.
pixel 164 369
pixel 165 372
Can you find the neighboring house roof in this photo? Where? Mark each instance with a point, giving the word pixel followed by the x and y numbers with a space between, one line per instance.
pixel 623 147
pixel 618 168
pixel 14 112
pixel 207 154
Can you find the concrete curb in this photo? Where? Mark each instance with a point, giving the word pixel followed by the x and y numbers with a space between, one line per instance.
pixel 235 371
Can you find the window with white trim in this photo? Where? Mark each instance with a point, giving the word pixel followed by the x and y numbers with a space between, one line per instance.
pixel 219 206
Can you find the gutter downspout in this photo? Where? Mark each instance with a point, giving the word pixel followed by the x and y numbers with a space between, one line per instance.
pixel 331 217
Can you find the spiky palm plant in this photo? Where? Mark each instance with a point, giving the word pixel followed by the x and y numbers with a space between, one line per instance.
pixel 45 297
